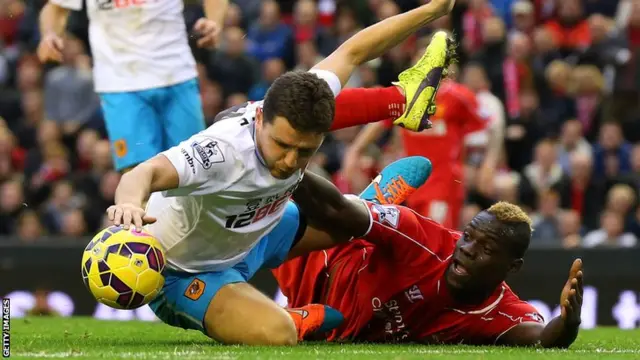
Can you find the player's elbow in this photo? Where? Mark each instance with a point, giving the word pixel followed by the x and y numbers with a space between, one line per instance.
pixel 351 54
pixel 443 7
pixel 54 11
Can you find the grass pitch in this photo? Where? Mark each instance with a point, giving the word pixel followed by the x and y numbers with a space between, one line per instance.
pixel 94 339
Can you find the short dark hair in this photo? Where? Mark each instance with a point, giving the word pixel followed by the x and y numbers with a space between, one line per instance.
pixel 304 99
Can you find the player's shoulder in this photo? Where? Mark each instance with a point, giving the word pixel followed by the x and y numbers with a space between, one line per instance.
pixel 246 110
pixel 439 239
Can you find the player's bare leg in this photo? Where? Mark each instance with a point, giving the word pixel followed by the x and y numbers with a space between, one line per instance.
pixel 240 314
pixel 411 100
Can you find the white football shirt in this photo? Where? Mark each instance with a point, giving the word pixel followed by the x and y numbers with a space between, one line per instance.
pixel 137 44
pixel 227 199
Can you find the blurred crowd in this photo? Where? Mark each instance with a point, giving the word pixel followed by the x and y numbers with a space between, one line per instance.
pixel 565 70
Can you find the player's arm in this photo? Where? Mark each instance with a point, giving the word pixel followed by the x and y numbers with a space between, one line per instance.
pixel 216 10
pixel 52 23
pixel 53 19
pixel 375 40
pixel 560 332
pixel 155 174
pixel 331 217
pixel 199 165
pixel 210 27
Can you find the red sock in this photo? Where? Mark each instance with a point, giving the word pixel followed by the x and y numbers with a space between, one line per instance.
pixel 358 106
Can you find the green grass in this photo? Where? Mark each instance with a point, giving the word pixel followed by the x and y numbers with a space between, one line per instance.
pixel 93 339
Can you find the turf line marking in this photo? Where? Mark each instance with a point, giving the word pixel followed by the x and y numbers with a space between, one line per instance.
pixel 130 355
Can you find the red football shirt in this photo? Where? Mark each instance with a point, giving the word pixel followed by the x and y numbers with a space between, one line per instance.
pixel 457 115
pixel 390 286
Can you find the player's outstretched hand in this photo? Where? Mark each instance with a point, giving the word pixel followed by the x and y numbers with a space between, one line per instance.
pixel 50 48
pixel 128 214
pixel 571 297
pixel 208 32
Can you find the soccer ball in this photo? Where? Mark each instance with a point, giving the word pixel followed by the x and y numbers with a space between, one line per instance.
pixel 123 268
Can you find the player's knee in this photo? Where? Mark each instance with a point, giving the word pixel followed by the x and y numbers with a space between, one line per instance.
pixel 280 331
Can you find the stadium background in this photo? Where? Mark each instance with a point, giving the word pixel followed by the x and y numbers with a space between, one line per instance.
pixel 575 90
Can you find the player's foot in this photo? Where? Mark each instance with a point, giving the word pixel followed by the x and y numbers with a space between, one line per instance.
pixel 398 180
pixel 315 319
pixel 420 83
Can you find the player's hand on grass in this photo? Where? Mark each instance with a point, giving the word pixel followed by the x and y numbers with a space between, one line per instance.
pixel 126 215
pixel 571 297
pixel 50 48
pixel 208 32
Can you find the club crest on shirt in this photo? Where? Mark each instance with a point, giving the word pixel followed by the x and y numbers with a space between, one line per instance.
pixel 388 214
pixel 535 316
pixel 207 152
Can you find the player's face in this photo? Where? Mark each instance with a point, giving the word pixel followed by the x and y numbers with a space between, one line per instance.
pixel 284 149
pixel 481 261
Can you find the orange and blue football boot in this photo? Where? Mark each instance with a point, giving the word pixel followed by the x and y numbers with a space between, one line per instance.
pixel 315 319
pixel 398 180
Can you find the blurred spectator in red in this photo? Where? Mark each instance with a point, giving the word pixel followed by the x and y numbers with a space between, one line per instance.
pixel 517 72
pixel 11 13
pixel 585 193
pixel 570 29
pixel 344 26
pixel 477 13
pixel 305 24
